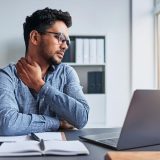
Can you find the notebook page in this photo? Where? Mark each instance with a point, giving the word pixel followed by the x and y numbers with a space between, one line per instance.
pixel 65 147
pixel 43 135
pixel 20 147
pixel 50 136
pixel 14 138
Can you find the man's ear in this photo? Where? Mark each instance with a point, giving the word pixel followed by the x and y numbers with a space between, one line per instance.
pixel 34 37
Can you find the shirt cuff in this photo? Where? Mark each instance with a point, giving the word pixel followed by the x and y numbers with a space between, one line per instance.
pixel 44 90
pixel 52 124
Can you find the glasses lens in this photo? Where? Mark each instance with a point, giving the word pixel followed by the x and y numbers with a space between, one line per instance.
pixel 68 42
pixel 62 39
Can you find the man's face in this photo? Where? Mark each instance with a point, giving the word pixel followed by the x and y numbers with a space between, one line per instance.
pixel 52 44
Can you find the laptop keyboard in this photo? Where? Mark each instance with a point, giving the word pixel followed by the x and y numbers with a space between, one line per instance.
pixel 112 141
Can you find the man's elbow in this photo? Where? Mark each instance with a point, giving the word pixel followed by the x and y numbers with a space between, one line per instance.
pixel 80 125
pixel 7 129
pixel 82 119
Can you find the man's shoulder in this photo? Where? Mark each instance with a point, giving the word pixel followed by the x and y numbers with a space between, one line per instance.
pixel 70 72
pixel 9 69
pixel 65 67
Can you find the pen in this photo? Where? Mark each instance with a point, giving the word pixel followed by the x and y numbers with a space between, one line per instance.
pixel 42 145
pixel 35 137
pixel 41 141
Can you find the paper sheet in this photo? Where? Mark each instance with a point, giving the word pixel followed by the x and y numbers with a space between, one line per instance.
pixel 50 135
pixel 43 135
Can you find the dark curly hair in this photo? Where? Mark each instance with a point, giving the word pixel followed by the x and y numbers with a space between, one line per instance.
pixel 41 20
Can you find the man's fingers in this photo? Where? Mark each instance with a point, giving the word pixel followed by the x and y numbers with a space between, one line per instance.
pixel 29 60
pixel 66 125
pixel 21 70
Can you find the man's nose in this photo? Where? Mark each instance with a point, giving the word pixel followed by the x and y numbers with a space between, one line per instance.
pixel 64 45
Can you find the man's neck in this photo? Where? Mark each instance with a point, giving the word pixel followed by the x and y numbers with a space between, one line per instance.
pixel 43 65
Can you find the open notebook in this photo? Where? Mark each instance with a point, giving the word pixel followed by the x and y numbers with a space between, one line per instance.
pixel 32 148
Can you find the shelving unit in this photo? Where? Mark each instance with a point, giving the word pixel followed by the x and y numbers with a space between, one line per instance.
pixel 92 73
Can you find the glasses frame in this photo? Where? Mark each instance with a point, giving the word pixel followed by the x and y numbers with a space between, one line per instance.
pixel 59 36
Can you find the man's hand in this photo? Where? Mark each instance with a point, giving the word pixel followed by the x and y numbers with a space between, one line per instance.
pixel 30 73
pixel 65 125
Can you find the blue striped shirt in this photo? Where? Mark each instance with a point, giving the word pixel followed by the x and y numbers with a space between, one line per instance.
pixel 23 111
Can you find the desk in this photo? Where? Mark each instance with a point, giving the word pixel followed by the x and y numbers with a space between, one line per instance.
pixel 97 152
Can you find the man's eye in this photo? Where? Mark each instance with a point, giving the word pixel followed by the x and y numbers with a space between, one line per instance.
pixel 57 36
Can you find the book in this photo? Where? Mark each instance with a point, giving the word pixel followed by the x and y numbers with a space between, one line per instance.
pixel 44 135
pixel 66 57
pixel 91 82
pixel 72 51
pixel 86 55
pixel 96 82
pixel 59 136
pixel 69 55
pixel 92 50
pixel 32 148
pixel 79 50
pixel 99 82
pixel 139 155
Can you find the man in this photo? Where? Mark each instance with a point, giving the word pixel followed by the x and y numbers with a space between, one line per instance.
pixel 40 93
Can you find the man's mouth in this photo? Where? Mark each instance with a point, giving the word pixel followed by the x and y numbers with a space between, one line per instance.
pixel 60 54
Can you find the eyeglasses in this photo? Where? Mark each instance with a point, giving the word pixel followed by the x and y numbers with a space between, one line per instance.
pixel 60 37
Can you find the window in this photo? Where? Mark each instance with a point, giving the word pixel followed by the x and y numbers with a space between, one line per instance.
pixel 157 40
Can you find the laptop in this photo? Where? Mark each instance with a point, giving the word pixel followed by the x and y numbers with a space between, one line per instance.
pixel 141 126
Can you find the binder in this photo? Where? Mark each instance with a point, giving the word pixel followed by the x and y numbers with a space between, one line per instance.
pixel 96 82
pixel 93 55
pixel 100 51
pixel 86 55
pixel 79 50
pixel 69 55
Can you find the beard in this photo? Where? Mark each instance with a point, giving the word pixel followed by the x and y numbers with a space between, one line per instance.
pixel 54 61
pixel 57 57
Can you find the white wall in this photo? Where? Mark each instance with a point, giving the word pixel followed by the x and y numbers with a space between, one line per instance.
pixel 91 17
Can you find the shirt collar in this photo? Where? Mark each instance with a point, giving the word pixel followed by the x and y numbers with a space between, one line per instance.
pixel 51 68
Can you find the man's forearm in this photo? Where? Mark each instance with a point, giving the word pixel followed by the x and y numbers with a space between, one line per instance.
pixel 73 111
pixel 14 123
